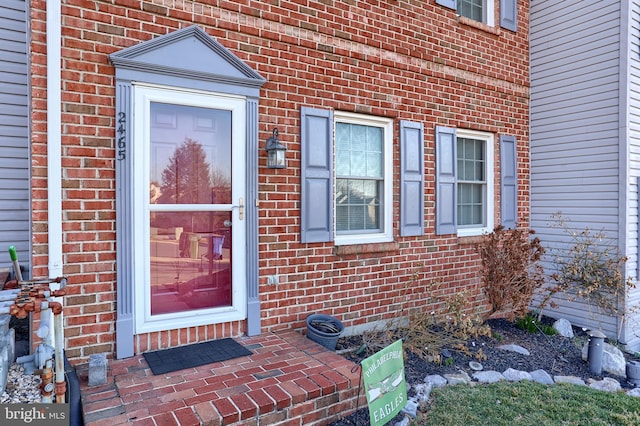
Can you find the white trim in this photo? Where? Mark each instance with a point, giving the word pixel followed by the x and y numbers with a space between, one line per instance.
pixel 387 194
pixel 489 140
pixel 143 95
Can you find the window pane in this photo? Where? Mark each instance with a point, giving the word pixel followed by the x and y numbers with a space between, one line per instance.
pixel 359 209
pixel 343 163
pixel 190 261
pixel 471 204
pixel 472 9
pixel 358 163
pixel 359 158
pixel 190 155
pixel 471 182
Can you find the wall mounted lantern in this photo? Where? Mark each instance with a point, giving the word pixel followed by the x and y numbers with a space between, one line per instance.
pixel 276 158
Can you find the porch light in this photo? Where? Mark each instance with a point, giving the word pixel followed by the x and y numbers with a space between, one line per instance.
pixel 275 152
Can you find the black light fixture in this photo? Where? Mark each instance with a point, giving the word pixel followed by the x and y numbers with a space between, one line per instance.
pixel 276 158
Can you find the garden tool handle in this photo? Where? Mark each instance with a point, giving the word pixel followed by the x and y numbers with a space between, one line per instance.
pixel 14 259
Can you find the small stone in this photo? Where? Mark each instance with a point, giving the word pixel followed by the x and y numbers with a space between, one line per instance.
pixel 458 379
pixel 516 375
pixel 435 380
pixel 475 365
pixel 634 392
pixel 542 377
pixel 573 380
pixel 563 327
pixel 515 348
pixel 403 422
pixel 410 409
pixel 488 376
pixel 423 391
pixel 607 385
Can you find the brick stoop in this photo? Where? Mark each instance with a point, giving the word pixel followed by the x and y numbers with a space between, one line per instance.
pixel 288 380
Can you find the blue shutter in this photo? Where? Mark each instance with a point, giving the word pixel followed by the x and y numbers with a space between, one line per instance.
pixel 446 187
pixel 509 14
pixel 508 182
pixel 451 4
pixel 411 179
pixel 316 221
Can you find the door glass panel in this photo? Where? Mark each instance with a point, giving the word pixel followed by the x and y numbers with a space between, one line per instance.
pixel 190 261
pixel 190 248
pixel 190 155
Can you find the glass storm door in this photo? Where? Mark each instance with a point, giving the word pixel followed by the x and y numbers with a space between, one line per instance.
pixel 191 210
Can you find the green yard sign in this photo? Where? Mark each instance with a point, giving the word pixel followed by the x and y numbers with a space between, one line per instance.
pixel 383 375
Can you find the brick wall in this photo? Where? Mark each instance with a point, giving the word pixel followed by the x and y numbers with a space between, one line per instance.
pixel 404 59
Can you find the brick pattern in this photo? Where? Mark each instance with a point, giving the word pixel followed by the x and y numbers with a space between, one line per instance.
pixel 288 377
pixel 410 59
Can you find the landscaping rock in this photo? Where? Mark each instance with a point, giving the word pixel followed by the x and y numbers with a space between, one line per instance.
pixel 634 392
pixel 563 327
pixel 542 377
pixel 515 348
pixel 569 379
pixel 607 385
pixel 488 376
pixel 515 375
pixel 435 380
pixel 461 378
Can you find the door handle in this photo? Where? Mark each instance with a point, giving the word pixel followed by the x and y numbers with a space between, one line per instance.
pixel 240 207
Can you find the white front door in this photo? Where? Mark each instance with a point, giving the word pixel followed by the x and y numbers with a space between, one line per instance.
pixel 189 229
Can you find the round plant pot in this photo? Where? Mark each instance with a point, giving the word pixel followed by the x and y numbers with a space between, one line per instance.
pixel 324 329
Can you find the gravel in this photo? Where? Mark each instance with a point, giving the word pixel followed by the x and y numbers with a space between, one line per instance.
pixel 556 355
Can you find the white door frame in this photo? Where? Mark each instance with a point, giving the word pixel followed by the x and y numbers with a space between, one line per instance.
pixel 143 95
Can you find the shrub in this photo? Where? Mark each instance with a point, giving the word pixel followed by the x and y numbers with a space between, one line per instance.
pixel 590 268
pixel 511 270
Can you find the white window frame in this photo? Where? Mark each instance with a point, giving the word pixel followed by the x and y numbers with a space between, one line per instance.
pixel 489 194
pixel 386 202
pixel 143 95
pixel 488 12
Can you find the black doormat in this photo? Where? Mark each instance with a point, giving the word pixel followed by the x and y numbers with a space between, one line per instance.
pixel 174 359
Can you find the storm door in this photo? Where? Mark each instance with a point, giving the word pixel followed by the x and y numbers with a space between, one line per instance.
pixel 189 200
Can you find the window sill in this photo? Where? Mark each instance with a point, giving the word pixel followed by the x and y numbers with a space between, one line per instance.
pixel 366 248
pixel 479 25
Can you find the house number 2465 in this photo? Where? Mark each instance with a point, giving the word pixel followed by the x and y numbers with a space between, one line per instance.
pixel 121 132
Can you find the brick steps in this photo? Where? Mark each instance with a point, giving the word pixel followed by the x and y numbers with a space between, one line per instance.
pixel 288 380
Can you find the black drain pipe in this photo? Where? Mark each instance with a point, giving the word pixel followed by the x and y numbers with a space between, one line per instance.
pixel 73 395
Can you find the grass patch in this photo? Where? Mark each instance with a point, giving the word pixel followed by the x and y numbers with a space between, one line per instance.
pixel 529 403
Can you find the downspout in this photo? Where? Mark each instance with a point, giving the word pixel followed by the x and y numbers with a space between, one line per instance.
pixel 625 182
pixel 54 144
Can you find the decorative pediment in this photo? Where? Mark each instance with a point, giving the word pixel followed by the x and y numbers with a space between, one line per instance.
pixel 187 53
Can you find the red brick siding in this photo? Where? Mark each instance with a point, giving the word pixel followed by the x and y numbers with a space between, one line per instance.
pixel 407 59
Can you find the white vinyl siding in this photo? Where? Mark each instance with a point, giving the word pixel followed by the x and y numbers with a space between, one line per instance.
pixel 14 132
pixel 575 116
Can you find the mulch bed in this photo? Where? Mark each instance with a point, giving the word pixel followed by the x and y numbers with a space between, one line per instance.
pixel 556 355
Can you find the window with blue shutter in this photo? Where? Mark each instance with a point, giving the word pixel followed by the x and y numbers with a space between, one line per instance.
pixel 508 182
pixel 464 182
pixel 411 178
pixel 346 177
pixel 316 175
